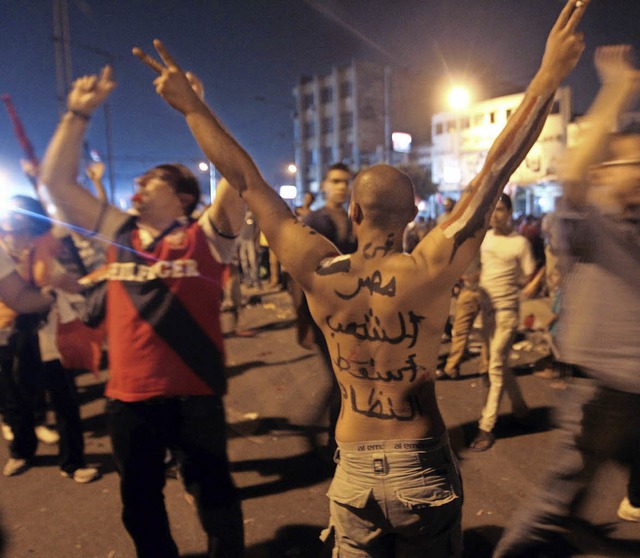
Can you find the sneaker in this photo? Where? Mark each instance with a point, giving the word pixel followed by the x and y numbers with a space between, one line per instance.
pixel 443 375
pixel 15 467
pixel 627 511
pixel 83 475
pixel 46 435
pixel 7 433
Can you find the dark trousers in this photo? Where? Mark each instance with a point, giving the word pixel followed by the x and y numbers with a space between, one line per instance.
pixel 61 386
pixel 23 381
pixel 193 428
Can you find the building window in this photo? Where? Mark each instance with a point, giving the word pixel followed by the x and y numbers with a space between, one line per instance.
pixel 346 120
pixel 509 113
pixel 464 122
pixel 478 119
pixel 555 109
pixel 326 95
pixel 311 157
pixel 327 125
pixel 347 152
pixel 327 154
pixel 451 126
pixel 438 129
pixel 307 101
pixel 346 89
pixel 309 129
pixel 492 117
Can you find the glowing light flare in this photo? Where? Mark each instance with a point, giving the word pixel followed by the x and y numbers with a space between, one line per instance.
pixel 204 167
pixel 292 168
pixel 401 142
pixel 288 192
pixel 459 97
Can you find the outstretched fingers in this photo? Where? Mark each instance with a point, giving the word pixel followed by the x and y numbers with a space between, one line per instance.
pixel 572 14
pixel 164 55
pixel 148 60
pixel 106 78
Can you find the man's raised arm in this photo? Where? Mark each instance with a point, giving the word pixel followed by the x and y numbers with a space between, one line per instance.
pixel 620 86
pixel 297 248
pixel 453 243
pixel 59 170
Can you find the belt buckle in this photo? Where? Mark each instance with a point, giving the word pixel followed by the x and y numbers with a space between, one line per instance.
pixel 380 464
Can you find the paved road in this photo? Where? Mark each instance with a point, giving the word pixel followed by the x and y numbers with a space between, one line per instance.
pixel 275 388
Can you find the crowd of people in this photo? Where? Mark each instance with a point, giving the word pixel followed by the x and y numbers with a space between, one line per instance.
pixel 372 286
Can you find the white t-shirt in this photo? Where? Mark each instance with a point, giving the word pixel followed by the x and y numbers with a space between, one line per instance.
pixel 6 264
pixel 507 263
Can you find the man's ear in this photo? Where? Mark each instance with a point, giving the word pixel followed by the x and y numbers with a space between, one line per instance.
pixel 186 200
pixel 355 213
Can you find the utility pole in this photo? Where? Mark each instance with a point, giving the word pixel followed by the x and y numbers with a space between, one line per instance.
pixel 62 47
pixel 64 78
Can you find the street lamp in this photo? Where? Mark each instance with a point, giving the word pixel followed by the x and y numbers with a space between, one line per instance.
pixel 459 99
pixel 204 167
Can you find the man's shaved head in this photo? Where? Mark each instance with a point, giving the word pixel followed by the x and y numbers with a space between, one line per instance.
pixel 385 195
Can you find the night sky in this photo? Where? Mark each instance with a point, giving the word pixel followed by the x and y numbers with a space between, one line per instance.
pixel 249 54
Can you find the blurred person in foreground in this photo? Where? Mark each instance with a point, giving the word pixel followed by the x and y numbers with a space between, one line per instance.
pixel 166 352
pixel 600 316
pixel 396 490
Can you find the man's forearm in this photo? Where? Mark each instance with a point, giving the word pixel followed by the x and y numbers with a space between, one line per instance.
pixel 58 175
pixel 62 158
pixel 22 297
pixel 230 158
pixel 601 119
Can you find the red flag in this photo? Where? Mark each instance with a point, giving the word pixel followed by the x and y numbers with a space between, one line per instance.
pixel 21 135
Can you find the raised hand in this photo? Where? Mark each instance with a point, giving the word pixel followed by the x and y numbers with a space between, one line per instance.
pixel 614 63
pixel 95 171
pixel 196 84
pixel 89 92
pixel 181 91
pixel 564 44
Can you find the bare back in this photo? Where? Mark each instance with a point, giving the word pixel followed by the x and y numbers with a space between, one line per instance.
pixel 382 319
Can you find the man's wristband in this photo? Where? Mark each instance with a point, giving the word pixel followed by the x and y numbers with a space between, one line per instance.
pixel 82 115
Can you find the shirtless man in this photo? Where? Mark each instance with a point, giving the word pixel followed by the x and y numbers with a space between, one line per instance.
pixel 396 491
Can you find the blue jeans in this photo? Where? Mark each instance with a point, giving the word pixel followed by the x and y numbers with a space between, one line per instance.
pixel 396 499
pixel 595 424
pixel 193 428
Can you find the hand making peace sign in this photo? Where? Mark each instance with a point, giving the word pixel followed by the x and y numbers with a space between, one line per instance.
pixel 182 90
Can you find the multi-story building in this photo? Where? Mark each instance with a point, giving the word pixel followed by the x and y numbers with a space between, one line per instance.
pixel 462 139
pixel 349 115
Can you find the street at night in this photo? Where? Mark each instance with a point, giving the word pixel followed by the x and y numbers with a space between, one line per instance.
pixel 275 387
